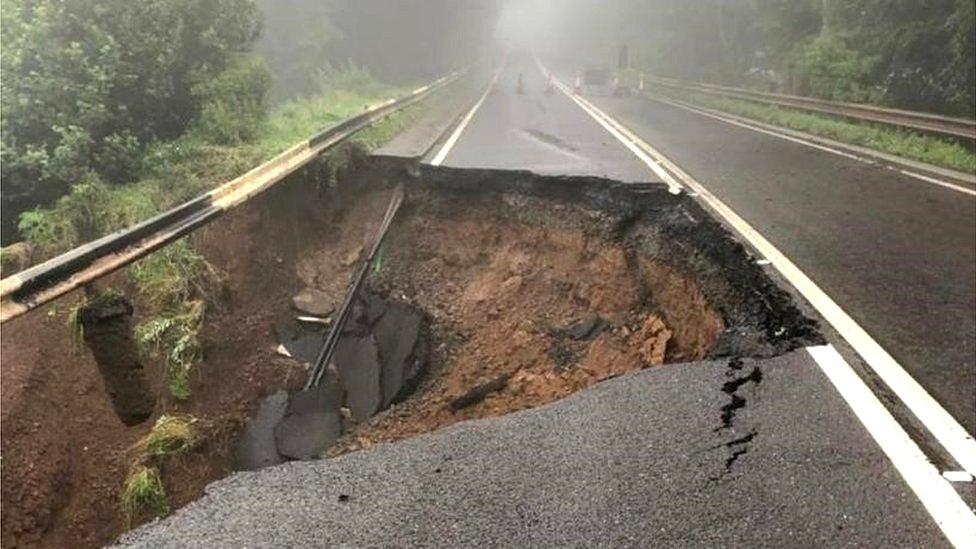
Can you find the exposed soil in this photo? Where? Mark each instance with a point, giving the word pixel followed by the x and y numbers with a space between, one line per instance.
pixel 531 300
pixel 65 450
pixel 534 288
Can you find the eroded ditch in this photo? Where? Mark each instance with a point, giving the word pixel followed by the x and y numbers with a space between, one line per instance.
pixel 494 292
pixel 510 291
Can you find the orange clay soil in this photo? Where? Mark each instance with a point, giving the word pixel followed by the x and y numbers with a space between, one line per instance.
pixel 503 283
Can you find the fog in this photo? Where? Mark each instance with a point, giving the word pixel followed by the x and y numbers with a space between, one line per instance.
pixel 399 42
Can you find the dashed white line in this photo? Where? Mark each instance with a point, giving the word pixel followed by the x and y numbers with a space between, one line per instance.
pixel 950 512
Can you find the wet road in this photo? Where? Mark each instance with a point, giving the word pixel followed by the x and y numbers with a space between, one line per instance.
pixel 542 132
pixel 633 462
pixel 641 461
pixel 896 253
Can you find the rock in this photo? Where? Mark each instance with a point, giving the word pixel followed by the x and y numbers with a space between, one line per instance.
pixel 652 340
pixel 352 257
pixel 396 335
pixel 312 421
pixel 479 392
pixel 257 447
pixel 314 302
pixel 588 329
pixel 317 320
pixel 325 398
pixel 359 368
pixel 375 308
pixel 307 436
pixel 301 341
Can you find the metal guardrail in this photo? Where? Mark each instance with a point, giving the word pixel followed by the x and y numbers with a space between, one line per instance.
pixel 33 287
pixel 927 122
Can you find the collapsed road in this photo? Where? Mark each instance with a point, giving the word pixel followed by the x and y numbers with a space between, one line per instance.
pixel 751 440
pixel 751 446
pixel 553 345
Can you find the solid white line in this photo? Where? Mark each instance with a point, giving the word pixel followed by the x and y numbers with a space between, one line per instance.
pixel 960 444
pixel 950 512
pixel 673 186
pixel 737 121
pixel 456 134
pixel 934 181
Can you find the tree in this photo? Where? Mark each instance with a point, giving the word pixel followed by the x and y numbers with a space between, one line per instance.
pixel 88 83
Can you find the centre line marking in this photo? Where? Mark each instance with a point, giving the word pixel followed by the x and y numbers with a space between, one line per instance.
pixel 950 434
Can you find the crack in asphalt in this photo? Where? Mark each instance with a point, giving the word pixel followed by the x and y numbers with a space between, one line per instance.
pixel 743 443
pixel 738 446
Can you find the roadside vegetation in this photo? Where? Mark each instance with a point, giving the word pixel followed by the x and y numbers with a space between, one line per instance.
pixel 143 494
pixel 122 118
pixel 899 53
pixel 902 143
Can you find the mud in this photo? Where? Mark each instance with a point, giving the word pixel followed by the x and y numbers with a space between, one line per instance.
pixel 530 287
pixel 106 322
pixel 540 287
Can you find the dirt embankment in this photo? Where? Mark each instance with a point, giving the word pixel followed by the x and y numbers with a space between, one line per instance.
pixel 530 300
pixel 533 288
pixel 66 452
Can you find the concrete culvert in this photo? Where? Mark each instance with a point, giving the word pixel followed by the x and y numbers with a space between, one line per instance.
pixel 106 322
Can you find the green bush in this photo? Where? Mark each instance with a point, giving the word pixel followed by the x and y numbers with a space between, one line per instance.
pixel 89 210
pixel 87 83
pixel 350 78
pixel 833 71
pixel 233 103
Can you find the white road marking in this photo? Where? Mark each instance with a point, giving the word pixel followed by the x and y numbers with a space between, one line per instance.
pixel 957 476
pixel 938 182
pixel 950 512
pixel 960 444
pixel 456 134
pixel 627 140
pixel 890 436
pixel 742 124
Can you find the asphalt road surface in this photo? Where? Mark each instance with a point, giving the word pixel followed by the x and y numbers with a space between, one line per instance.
pixel 638 461
pixel 644 460
pixel 542 132
pixel 896 253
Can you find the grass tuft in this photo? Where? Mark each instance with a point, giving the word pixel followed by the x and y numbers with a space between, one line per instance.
pixel 143 494
pixel 174 334
pixel 169 435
